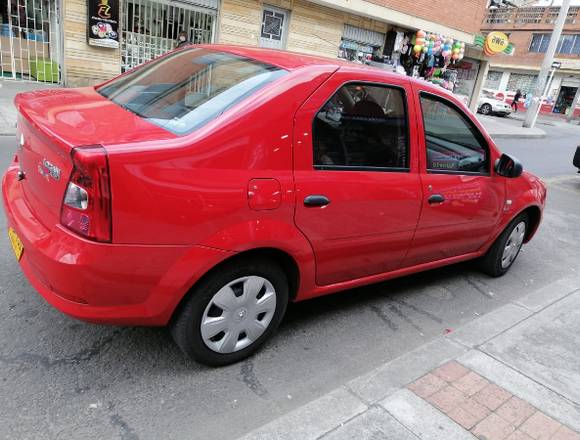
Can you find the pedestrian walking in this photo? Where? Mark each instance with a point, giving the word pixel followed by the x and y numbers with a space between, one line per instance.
pixel 517 97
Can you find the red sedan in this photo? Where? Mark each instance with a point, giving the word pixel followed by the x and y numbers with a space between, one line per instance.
pixel 206 189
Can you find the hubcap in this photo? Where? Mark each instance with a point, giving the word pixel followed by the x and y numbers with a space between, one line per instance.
pixel 513 245
pixel 238 314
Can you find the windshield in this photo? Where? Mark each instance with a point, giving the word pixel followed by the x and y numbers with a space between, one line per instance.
pixel 188 88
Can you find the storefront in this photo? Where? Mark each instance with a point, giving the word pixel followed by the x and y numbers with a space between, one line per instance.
pixel 30 40
pixel 151 27
pixel 358 44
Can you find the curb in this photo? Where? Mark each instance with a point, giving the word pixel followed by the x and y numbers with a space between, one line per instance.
pixel 380 396
pixel 517 136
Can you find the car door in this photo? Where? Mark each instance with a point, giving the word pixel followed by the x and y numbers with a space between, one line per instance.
pixel 462 198
pixel 356 175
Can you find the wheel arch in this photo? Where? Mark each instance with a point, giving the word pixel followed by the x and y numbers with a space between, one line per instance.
pixel 286 261
pixel 534 218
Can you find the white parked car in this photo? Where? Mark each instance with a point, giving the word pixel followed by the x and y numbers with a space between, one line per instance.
pixel 490 105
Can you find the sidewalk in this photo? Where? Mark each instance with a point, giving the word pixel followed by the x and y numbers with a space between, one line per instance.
pixel 512 374
pixel 499 128
pixel 8 90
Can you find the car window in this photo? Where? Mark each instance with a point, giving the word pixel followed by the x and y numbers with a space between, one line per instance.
pixel 189 88
pixel 453 143
pixel 362 126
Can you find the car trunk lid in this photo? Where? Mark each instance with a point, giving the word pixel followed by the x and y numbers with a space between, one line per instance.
pixel 53 122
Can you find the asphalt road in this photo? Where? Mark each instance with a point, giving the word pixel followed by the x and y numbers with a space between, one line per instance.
pixel 63 379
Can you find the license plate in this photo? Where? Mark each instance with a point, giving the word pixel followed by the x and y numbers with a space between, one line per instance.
pixel 17 245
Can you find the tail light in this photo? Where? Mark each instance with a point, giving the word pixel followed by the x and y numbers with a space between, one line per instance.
pixel 86 208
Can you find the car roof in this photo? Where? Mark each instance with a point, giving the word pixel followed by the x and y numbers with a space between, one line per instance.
pixel 293 61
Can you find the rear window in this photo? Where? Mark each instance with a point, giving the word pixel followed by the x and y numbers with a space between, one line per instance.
pixel 188 88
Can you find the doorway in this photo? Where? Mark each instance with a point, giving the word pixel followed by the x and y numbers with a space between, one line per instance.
pixel 565 99
pixel 30 40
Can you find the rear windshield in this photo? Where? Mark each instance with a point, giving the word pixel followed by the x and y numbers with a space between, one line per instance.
pixel 189 88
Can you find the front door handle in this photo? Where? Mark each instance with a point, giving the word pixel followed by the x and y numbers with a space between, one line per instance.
pixel 316 200
pixel 436 198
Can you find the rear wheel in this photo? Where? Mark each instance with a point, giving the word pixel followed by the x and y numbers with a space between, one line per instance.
pixel 506 248
pixel 485 109
pixel 232 312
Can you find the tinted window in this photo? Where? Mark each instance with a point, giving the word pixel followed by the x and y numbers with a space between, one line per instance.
pixel 362 126
pixel 453 143
pixel 189 88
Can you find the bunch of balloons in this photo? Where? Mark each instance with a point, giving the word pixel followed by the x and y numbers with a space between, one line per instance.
pixel 433 44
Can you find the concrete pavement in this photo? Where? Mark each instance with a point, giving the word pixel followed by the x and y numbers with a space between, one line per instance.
pixel 8 90
pixel 511 374
pixel 501 128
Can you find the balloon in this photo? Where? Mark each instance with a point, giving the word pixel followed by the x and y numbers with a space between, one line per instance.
pixel 430 51
pixel 420 41
pixel 455 56
pixel 421 34
pixel 456 51
pixel 425 49
pixel 449 41
pixel 463 45
pixel 417 48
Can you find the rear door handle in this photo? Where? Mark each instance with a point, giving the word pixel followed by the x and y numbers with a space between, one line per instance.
pixel 316 200
pixel 436 198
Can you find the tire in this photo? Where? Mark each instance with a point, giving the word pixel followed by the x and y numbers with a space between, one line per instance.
pixel 252 296
pixel 499 257
pixel 486 109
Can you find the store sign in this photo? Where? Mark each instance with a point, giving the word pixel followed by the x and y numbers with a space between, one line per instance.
pixel 103 23
pixel 496 42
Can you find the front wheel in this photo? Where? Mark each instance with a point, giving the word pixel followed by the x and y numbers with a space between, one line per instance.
pixel 502 254
pixel 485 109
pixel 232 312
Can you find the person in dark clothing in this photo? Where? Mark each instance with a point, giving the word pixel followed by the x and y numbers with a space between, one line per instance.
pixel 182 39
pixel 517 97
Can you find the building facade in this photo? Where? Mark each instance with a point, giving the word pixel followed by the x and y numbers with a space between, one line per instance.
pixel 57 41
pixel 530 29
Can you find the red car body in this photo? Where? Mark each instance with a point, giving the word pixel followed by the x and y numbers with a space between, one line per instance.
pixel 182 205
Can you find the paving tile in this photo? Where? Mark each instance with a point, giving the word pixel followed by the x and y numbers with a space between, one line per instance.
pixel 427 385
pixel 470 384
pixel 493 428
pixel 475 408
pixel 565 433
pixel 539 396
pixel 374 424
pixel 515 411
pixel 540 427
pixel 519 435
pixel 463 417
pixel 492 396
pixel 447 399
pixel 422 419
pixel 451 371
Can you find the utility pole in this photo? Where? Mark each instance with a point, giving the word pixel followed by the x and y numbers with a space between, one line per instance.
pixel 536 103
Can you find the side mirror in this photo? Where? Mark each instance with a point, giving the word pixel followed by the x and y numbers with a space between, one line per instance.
pixel 508 166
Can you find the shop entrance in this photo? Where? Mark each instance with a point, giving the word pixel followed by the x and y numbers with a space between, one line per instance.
pixel 151 27
pixel 565 99
pixel 30 40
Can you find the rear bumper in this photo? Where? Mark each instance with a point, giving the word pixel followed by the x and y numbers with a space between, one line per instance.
pixel 103 283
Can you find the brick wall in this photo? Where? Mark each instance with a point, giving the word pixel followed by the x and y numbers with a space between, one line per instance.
pixel 465 15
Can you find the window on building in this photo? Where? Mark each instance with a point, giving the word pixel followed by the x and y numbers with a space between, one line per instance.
pixel 453 143
pixel 566 44
pixel 522 81
pixel 569 44
pixel 362 127
pixel 493 79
